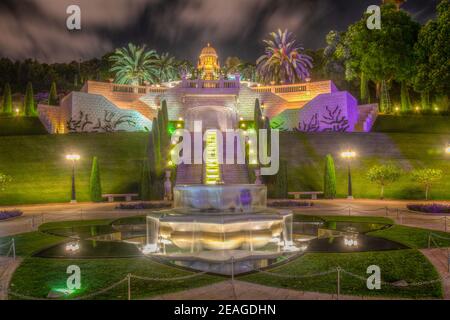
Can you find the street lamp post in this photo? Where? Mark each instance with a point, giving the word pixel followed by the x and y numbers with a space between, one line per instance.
pixel 74 158
pixel 349 155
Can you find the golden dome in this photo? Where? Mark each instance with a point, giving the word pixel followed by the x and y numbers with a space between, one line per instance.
pixel 208 51
pixel 208 63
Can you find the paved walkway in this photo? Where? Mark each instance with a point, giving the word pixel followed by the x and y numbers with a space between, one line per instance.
pixel 439 257
pixel 7 268
pixel 241 290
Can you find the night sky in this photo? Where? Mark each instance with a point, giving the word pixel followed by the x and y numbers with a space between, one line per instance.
pixel 37 28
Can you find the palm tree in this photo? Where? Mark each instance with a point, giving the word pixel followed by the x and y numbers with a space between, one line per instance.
pixel 167 68
pixel 247 71
pixel 283 60
pixel 134 65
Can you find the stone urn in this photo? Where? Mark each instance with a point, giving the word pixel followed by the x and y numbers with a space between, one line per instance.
pixel 168 187
pixel 258 180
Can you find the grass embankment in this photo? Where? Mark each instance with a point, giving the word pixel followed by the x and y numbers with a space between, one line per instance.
pixel 41 174
pixel 20 126
pixel 305 154
pixel 412 124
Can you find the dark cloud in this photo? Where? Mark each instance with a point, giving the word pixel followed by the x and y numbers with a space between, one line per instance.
pixel 36 28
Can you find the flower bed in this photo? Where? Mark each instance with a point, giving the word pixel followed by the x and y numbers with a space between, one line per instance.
pixel 289 204
pixel 144 205
pixel 10 214
pixel 430 208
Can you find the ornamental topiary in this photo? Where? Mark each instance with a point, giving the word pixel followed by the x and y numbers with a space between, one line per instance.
pixel 95 186
pixel 329 179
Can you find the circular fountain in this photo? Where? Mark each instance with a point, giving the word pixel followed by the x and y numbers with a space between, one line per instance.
pixel 212 225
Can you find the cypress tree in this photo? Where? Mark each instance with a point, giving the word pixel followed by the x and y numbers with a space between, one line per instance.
pixel 146 182
pixel 156 142
pixel 165 113
pixel 257 116
pixel 281 184
pixel 329 183
pixel 7 100
pixel 29 106
pixel 53 95
pixel 95 186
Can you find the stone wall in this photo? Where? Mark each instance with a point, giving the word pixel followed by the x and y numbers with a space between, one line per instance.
pixel 336 112
pixel 84 112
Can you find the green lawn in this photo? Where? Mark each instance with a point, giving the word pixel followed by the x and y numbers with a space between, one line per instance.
pixel 28 243
pixel 408 265
pixel 305 154
pixel 413 237
pixel 41 174
pixel 36 277
pixel 18 126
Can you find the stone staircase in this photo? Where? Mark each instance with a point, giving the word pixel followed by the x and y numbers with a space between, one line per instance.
pixel 367 114
pixel 189 174
pixel 235 173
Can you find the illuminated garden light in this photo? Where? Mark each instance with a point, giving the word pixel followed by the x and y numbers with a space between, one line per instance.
pixel 447 150
pixel 74 158
pixel 243 125
pixel 241 119
pixel 180 119
pixel 179 125
pixel 349 155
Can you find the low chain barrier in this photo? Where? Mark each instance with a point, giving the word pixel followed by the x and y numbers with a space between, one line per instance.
pixel 12 248
pixel 127 280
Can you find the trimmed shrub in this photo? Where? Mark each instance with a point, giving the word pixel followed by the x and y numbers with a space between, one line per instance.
pixel 29 105
pixel 95 186
pixel 53 95
pixel 156 144
pixel 281 182
pixel 146 182
pixel 329 178
pixel 7 100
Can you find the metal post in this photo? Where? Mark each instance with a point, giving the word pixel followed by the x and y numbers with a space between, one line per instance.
pixel 129 286
pixel 448 260
pixel 398 212
pixel 350 189
pixel 14 248
pixel 74 198
pixel 338 282
pixel 349 211
pixel 232 268
pixel 387 211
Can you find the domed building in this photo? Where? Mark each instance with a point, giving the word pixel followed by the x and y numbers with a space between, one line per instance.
pixel 208 63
